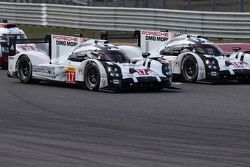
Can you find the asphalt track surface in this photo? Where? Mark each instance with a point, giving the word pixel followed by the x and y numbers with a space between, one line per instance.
pixel 193 125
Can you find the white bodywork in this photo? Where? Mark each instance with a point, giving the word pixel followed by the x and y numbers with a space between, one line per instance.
pixel 61 67
pixel 10 30
pixel 182 41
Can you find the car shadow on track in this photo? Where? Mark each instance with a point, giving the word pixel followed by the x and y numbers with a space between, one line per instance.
pixel 171 89
pixel 221 83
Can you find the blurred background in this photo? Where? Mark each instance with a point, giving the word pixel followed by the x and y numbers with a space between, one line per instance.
pixel 200 5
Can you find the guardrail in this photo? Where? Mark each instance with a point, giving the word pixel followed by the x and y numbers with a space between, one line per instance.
pixel 209 24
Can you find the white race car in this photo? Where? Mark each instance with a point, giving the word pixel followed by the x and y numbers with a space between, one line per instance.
pixel 93 63
pixel 7 31
pixel 194 58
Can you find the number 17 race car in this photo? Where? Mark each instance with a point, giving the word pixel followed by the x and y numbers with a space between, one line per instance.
pixel 93 63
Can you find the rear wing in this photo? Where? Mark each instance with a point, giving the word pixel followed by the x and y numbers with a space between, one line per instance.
pixel 149 40
pixel 22 45
pixel 146 40
pixel 54 45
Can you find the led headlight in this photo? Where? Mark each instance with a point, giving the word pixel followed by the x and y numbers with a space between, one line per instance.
pixel 113 71
pixel 110 69
pixel 207 62
pixel 211 63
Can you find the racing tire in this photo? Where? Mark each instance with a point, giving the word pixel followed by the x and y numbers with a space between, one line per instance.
pixel 92 76
pixel 189 70
pixel 24 69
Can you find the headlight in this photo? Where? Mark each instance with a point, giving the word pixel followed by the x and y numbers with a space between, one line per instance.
pixel 113 71
pixel 211 63
pixel 207 62
pixel 109 69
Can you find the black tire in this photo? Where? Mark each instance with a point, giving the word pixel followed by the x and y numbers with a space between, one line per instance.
pixel 24 69
pixel 189 70
pixel 92 76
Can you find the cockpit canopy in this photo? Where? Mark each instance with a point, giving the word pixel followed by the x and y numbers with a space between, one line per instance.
pixel 112 54
pixel 208 49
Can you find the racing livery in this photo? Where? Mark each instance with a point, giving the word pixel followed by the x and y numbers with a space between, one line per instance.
pixel 6 32
pixel 194 58
pixel 93 63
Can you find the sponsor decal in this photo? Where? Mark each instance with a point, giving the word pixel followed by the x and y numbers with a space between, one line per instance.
pixel 237 64
pixel 155 35
pixel 65 40
pixel 71 75
pixel 142 71
pixel 152 39
pixel 61 44
pixel 80 71
pixel 27 47
pixel 44 70
pixel 214 73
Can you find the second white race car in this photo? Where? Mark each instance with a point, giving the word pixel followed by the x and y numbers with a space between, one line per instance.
pixel 194 58
pixel 93 63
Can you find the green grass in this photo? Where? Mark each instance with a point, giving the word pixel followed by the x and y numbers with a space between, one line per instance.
pixel 41 31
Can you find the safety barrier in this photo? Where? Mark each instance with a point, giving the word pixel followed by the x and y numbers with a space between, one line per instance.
pixel 209 24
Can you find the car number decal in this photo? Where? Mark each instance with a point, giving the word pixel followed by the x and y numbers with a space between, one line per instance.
pixel 142 71
pixel 237 65
pixel 71 75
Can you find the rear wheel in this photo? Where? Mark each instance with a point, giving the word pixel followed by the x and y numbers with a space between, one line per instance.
pixel 189 69
pixel 24 69
pixel 92 76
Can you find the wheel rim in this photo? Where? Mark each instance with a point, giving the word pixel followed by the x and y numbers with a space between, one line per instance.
pixel 24 69
pixel 190 68
pixel 93 76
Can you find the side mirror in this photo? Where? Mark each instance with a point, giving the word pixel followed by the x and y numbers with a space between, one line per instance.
pixel 77 58
pixel 94 53
pixel 145 55
pixel 176 52
pixel 165 52
pixel 135 60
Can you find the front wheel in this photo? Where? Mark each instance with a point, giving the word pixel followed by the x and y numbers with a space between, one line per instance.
pixel 189 69
pixel 92 76
pixel 24 69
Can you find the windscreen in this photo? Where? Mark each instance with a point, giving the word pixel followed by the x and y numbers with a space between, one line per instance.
pixel 8 36
pixel 207 49
pixel 114 56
